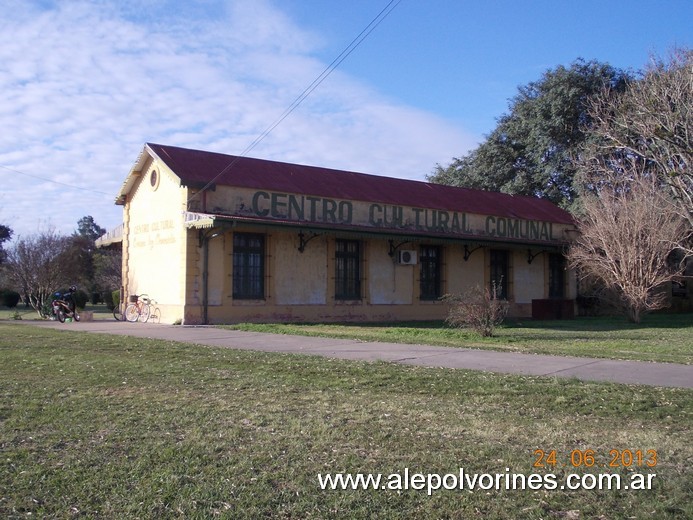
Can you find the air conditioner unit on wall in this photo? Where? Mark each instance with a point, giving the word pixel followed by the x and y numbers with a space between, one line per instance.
pixel 406 257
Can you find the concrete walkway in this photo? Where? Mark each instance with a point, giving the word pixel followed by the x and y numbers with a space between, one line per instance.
pixel 588 369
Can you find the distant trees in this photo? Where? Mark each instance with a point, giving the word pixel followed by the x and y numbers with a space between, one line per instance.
pixel 106 264
pixel 615 149
pixel 38 266
pixel 82 251
pixel 5 235
pixel 87 228
pixel 531 149
pixel 108 269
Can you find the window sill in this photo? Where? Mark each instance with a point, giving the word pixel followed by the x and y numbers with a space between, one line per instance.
pixel 248 303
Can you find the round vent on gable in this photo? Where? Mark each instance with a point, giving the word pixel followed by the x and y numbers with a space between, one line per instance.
pixel 154 179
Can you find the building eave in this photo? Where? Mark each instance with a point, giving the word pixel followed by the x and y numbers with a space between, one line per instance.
pixel 194 220
pixel 134 174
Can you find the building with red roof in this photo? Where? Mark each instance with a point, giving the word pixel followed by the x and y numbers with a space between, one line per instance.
pixel 216 238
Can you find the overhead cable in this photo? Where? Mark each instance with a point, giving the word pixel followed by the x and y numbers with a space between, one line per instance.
pixel 308 90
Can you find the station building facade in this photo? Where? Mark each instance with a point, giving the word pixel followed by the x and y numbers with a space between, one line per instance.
pixel 215 238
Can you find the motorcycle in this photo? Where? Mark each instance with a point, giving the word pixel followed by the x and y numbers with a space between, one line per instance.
pixel 63 305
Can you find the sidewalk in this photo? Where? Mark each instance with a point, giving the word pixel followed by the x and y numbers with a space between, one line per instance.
pixel 588 369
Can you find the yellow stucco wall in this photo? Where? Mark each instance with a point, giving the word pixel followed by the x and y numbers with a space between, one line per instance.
pixel 389 283
pixel 154 245
pixel 300 286
pixel 300 278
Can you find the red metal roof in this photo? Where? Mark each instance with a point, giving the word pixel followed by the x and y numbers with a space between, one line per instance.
pixel 197 168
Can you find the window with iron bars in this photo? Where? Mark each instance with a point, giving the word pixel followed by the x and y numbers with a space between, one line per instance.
pixel 347 270
pixel 248 266
pixel 430 279
pixel 500 273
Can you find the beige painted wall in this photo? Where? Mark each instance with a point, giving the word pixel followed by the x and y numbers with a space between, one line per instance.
pixel 155 249
pixel 389 283
pixel 218 273
pixel 299 286
pixel 528 279
pixel 300 278
pixel 463 275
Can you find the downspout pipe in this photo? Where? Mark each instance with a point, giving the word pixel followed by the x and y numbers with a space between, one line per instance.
pixel 204 242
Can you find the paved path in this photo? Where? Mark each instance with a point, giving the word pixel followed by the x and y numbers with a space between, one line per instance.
pixel 589 369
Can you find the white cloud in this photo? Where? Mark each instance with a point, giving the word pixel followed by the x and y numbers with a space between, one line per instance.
pixel 86 84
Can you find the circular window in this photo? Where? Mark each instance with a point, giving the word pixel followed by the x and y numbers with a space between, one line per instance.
pixel 154 179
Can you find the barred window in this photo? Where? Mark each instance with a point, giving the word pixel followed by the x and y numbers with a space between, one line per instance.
pixel 500 271
pixel 347 270
pixel 430 275
pixel 556 276
pixel 248 266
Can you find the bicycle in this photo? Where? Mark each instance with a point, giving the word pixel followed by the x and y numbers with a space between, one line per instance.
pixel 118 312
pixel 139 308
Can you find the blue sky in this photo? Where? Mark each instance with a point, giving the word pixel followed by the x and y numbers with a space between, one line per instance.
pixel 85 84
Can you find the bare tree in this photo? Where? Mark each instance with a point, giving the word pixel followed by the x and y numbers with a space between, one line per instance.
pixel 108 268
pixel 653 121
pixel 628 233
pixel 38 266
pixel 636 168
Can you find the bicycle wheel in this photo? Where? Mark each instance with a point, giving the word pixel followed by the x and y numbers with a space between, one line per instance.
pixel 61 316
pixel 118 313
pixel 131 313
pixel 146 311
pixel 76 316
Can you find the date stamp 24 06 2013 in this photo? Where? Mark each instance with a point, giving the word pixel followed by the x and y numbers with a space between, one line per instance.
pixel 589 458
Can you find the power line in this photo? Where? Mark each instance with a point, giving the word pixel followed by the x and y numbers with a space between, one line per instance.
pixel 53 181
pixel 309 89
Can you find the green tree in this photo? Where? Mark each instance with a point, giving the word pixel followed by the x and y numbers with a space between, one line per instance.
pixel 82 250
pixel 530 150
pixel 5 235
pixel 87 228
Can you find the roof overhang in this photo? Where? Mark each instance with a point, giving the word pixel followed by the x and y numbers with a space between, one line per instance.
pixel 203 221
pixel 134 175
pixel 114 236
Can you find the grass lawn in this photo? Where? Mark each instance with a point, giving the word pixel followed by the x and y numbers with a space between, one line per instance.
pixel 117 427
pixel 661 337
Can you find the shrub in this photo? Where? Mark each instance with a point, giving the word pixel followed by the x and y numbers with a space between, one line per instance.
pixel 115 299
pixel 81 299
pixel 108 299
pixel 9 298
pixel 478 309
